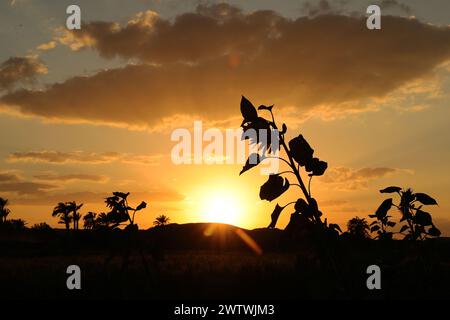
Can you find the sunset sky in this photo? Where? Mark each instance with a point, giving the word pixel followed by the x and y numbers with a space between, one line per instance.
pixel 84 113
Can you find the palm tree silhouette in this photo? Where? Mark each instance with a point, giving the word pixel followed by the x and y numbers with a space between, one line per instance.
pixel 73 208
pixel 90 221
pixel 4 211
pixel 161 220
pixel 62 211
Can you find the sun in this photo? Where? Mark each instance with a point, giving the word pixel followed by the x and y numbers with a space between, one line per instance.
pixel 222 207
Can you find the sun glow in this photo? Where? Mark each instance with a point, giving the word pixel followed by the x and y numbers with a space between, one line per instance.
pixel 222 208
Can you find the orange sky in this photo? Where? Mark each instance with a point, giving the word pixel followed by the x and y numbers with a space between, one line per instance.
pixel 89 112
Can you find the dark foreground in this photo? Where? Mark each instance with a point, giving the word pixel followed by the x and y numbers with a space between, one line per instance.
pixel 195 262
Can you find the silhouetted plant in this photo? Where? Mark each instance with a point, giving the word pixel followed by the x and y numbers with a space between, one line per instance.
pixel 67 213
pixel 419 224
pixel 17 224
pixel 120 210
pixel 42 226
pixel 161 221
pixel 62 210
pixel 76 216
pixel 90 221
pixel 358 228
pixel 299 155
pixel 4 211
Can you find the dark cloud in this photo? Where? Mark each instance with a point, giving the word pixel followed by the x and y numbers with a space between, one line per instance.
pixel 8 177
pixel 200 63
pixel 66 178
pixel 394 4
pixel 352 179
pixel 57 157
pixel 26 188
pixel 313 9
pixel 19 70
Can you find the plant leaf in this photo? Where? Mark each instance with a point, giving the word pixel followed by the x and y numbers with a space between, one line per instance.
pixel 275 215
pixel 248 110
pixel 391 189
pixel 434 232
pixel 404 228
pixel 425 199
pixel 301 151
pixel 253 160
pixel 141 206
pixel 263 107
pixel 274 187
pixel 383 208
pixel 423 218
pixel 391 224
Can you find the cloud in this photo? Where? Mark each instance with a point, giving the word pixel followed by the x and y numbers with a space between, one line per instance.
pixel 394 4
pixel 199 64
pixel 20 70
pixel 47 46
pixel 8 177
pixel 353 179
pixel 68 178
pixel 13 182
pixel 56 157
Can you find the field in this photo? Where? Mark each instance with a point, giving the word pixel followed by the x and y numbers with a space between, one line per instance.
pixel 191 266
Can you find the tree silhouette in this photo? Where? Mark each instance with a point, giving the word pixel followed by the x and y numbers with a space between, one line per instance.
pixel 419 224
pixel 76 216
pixel 358 228
pixel 62 210
pixel 90 221
pixel 161 221
pixel 17 224
pixel 269 141
pixel 4 211
pixel 68 213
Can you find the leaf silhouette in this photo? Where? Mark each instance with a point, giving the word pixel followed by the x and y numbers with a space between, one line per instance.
pixel 391 224
pixel 434 232
pixel 335 226
pixel 316 167
pixel 121 194
pixel 391 189
pixel 248 110
pixel 423 218
pixel 253 160
pixel 301 150
pixel 425 199
pixel 275 215
pixel 141 206
pixel 263 107
pixel 383 208
pixel 404 228
pixel 274 187
pixel 301 206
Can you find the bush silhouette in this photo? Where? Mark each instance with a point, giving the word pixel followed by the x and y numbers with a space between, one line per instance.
pixel 419 224
pixel 358 228
pixel 269 140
